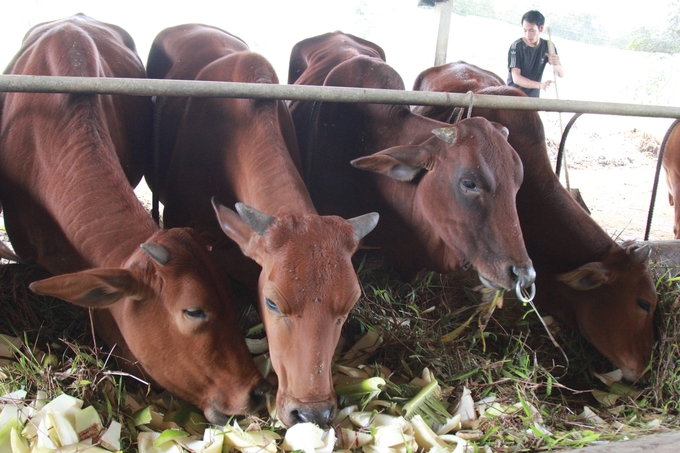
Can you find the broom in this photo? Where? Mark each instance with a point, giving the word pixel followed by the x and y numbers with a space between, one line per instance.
pixel 574 192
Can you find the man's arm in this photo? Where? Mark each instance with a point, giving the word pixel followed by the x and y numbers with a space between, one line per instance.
pixel 525 82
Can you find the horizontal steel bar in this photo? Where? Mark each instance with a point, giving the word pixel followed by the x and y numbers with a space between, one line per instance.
pixel 152 87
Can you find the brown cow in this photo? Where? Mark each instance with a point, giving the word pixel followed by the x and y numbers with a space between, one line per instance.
pixel 671 165
pixel 70 208
pixel 307 285
pixel 446 194
pixel 595 285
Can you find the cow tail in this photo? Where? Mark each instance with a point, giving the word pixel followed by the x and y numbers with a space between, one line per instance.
pixel 311 142
pixel 156 157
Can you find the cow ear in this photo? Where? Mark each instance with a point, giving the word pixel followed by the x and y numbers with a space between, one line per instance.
pixel 7 253
pixel 588 276
pixel 93 288
pixel 247 238
pixel 402 163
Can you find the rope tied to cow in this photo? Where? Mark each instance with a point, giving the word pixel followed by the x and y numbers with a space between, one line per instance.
pixel 472 98
pixel 494 299
pixel 527 297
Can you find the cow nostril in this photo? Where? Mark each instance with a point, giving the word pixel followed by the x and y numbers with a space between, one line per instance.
pixel 526 275
pixel 262 389
pixel 298 417
pixel 326 416
pixel 321 417
pixel 258 394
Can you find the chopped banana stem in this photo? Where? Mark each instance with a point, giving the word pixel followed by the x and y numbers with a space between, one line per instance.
pixel 427 404
pixel 364 387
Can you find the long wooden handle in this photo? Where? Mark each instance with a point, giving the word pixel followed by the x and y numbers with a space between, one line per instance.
pixel 551 51
pixel 551 46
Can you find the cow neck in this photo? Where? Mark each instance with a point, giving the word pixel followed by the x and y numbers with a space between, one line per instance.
pixel 109 239
pixel 553 220
pixel 265 175
pixel 98 210
pixel 407 128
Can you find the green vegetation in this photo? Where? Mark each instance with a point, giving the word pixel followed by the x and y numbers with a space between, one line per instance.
pixel 532 394
pixel 580 26
pixel 662 39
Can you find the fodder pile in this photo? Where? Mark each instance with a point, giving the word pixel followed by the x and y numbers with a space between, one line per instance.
pixel 506 358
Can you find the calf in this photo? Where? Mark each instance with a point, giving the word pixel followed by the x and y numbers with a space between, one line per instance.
pixel 66 163
pixel 446 194
pixel 603 289
pixel 244 151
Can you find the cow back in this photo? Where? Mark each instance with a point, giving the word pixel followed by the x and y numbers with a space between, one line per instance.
pixel 222 130
pixel 199 45
pixel 458 77
pixel 310 62
pixel 132 137
pixel 74 125
pixel 314 57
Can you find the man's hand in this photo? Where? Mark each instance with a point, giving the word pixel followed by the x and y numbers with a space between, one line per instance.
pixel 545 85
pixel 553 59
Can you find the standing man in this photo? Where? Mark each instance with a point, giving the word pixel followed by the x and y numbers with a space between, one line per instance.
pixel 528 56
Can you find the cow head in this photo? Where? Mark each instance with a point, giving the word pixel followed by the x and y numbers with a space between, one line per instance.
pixel 307 288
pixel 176 319
pixel 466 178
pixel 614 306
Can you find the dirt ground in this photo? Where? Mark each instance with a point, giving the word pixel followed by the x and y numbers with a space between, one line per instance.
pixel 612 161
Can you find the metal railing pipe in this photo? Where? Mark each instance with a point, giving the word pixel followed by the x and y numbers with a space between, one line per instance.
pixel 152 87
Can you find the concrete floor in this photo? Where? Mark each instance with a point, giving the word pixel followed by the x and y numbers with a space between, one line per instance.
pixel 658 443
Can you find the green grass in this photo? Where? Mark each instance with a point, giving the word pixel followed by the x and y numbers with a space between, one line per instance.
pixel 507 355
pixel 514 359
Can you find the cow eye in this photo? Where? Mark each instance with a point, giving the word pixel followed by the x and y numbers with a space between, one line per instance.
pixel 644 305
pixel 272 306
pixel 468 184
pixel 195 313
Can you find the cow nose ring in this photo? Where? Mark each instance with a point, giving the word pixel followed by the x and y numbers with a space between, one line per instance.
pixel 522 295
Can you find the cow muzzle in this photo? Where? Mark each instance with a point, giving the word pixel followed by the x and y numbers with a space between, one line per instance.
pixel 255 401
pixel 258 396
pixel 515 276
pixel 525 276
pixel 321 413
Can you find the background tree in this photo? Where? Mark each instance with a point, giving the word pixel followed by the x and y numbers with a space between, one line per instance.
pixel 654 40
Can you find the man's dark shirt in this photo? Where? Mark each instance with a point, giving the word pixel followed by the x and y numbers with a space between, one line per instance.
pixel 530 60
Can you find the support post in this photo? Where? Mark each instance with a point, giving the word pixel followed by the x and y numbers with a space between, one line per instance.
pixel 444 9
